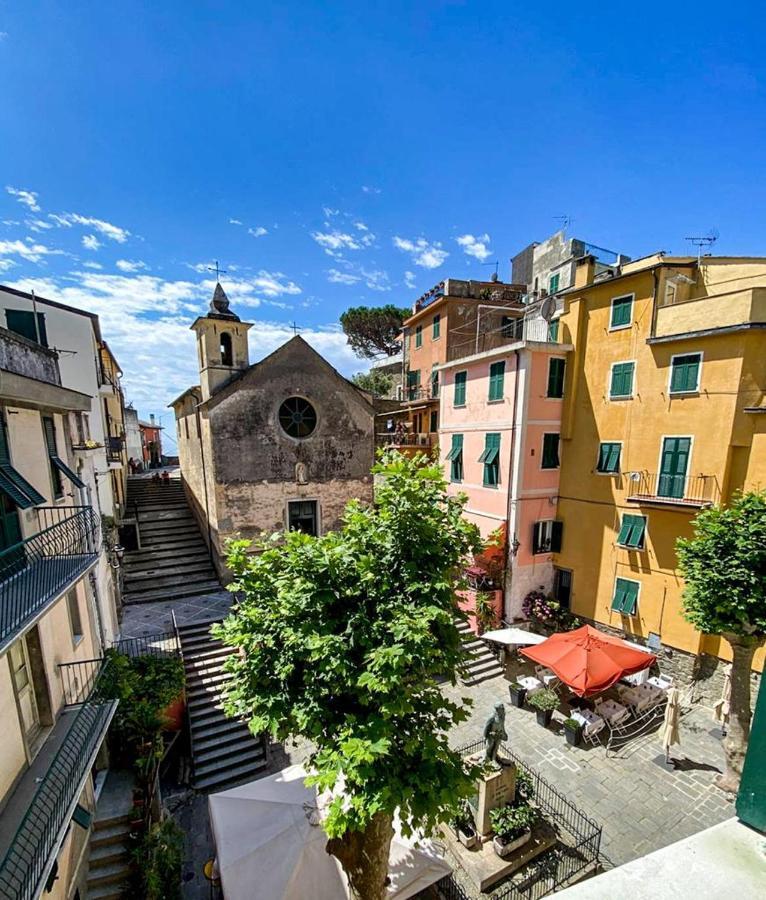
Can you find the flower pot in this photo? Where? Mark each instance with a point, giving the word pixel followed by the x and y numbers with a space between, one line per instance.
pixel 469 841
pixel 517 695
pixel 544 717
pixel 173 714
pixel 504 849
pixel 573 736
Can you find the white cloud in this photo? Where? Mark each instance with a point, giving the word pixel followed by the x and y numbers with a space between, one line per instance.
pixel 234 222
pixel 360 226
pixel 409 280
pixel 423 253
pixel 6 264
pixel 92 265
pixel 475 246
pixel 336 277
pixel 334 242
pixel 29 251
pixel 113 232
pixel 329 212
pixel 259 231
pixel 28 198
pixel 376 280
pixel 274 284
pixel 130 265
pixel 37 225
pixel 91 242
pixel 368 189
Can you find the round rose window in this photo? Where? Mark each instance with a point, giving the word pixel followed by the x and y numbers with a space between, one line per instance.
pixel 297 417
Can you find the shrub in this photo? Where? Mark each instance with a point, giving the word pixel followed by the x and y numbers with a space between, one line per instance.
pixel 510 822
pixel 544 700
pixel 486 617
pixel 572 724
pixel 156 857
pixel 525 785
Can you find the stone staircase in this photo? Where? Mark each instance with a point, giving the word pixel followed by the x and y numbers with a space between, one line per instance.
pixel 173 561
pixel 224 752
pixel 482 663
pixel 108 862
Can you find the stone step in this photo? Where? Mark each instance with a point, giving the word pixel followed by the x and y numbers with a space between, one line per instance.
pixel 106 892
pixel 160 548
pixel 177 593
pixel 195 629
pixel 200 719
pixel 202 664
pixel 231 775
pixel 105 854
pixel 200 644
pixel 250 754
pixel 206 701
pixel 199 685
pixel 103 836
pixel 168 574
pixel 176 561
pixel 219 735
pixel 113 873
pixel 180 527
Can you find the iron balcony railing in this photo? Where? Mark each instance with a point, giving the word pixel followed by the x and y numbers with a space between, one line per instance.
pixel 417 392
pixel 114 447
pixel 678 490
pixel 498 331
pixel 32 852
pixel 36 571
pixel 404 440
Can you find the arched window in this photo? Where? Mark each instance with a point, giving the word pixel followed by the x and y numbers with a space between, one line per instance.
pixel 227 356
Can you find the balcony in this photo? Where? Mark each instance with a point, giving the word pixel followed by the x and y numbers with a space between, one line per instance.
pixel 39 812
pixel 416 392
pixel 114 447
pixel 501 331
pixel 694 491
pixel 408 444
pixel 37 571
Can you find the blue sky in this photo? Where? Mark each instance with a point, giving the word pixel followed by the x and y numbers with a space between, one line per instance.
pixel 345 153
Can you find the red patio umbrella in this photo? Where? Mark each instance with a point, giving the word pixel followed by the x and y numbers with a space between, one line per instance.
pixel 588 660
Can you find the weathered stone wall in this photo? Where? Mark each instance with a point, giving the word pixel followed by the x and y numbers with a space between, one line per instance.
pixel 28 358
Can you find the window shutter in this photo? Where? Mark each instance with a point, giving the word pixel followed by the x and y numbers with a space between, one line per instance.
pixel 460 380
pixel 550 451
pixel 437 326
pixel 537 537
pixel 685 373
pixel 555 377
pixel 557 533
pixel 496 378
pixel 622 308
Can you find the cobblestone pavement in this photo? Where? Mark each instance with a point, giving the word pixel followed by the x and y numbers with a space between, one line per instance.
pixel 641 805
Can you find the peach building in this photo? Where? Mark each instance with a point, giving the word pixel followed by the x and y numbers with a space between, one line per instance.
pixel 499 443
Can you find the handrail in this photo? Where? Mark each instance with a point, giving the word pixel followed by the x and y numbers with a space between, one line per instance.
pixel 40 568
pixel 33 850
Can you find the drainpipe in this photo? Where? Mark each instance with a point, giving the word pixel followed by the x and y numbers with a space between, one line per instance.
pixel 509 538
pixel 204 483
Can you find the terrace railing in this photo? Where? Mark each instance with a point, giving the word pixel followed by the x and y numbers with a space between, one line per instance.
pixel 33 850
pixel 387 439
pixel 114 447
pixel 37 570
pixel 677 490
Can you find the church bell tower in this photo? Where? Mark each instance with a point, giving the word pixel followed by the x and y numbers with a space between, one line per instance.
pixel 221 344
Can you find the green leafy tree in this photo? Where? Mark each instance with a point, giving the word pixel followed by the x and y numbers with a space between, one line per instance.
pixel 374 330
pixel 724 566
pixel 341 640
pixel 377 383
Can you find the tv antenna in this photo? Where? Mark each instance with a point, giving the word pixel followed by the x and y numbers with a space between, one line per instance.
pixel 494 276
pixel 707 242
pixel 566 221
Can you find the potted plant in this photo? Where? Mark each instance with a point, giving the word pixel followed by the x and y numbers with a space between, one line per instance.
pixel 518 693
pixel 573 732
pixel 465 828
pixel 512 826
pixel 544 702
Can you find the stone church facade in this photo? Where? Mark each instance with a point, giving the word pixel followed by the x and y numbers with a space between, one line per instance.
pixel 284 443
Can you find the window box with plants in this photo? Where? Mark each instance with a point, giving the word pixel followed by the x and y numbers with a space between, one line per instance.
pixel 544 702
pixel 518 693
pixel 466 828
pixel 573 732
pixel 512 827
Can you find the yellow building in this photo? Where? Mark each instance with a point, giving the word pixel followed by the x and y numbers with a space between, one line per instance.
pixel 665 415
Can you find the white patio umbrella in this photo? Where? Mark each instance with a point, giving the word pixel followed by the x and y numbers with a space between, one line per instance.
pixel 669 734
pixel 271 846
pixel 511 636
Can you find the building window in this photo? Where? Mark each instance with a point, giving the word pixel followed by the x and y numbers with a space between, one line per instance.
pixel 434 421
pixel 73 605
pixel 496 380
pixel 685 373
pixel 609 458
pixel 632 530
pixel 418 335
pixel 556 378
pixel 625 599
pixel 22 321
pixel 491 459
pixel 562 587
pixel 460 381
pixel 227 355
pixel 302 516
pixel 455 457
pixel 49 430
pixel 297 417
pixel 674 462
pixel 546 536
pixel 622 312
pixel 621 381
pixel 512 327
pixel 550 452
pixel 437 326
pixel 553 283
pixel 553 331
pixel 413 384
pixel 434 385
pixel 16 492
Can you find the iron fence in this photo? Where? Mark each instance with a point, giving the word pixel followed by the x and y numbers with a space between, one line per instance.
pixel 165 643
pixel 680 490
pixel 40 568
pixel 556 867
pixel 32 852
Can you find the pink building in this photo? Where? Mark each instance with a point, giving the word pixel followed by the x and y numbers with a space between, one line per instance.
pixel 499 429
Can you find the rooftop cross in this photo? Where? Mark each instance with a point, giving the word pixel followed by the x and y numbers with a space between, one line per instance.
pixel 218 272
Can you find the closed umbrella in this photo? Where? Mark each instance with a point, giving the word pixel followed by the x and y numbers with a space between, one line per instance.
pixel 588 660
pixel 669 734
pixel 722 706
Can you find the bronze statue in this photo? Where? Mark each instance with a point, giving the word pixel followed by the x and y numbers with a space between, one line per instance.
pixel 494 732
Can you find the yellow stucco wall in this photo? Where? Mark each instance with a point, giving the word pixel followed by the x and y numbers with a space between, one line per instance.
pixel 727 445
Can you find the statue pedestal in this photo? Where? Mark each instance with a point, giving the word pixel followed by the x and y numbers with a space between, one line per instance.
pixel 495 788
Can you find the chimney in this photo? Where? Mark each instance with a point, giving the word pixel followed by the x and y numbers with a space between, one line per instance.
pixel 151 418
pixel 585 270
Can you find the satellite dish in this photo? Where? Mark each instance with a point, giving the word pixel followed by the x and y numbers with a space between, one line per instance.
pixel 548 308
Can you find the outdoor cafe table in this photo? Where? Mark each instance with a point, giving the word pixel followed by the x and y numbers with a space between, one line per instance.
pixel 643 696
pixel 530 684
pixel 589 720
pixel 612 711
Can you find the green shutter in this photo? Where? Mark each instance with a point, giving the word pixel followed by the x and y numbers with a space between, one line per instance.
pixel 609 457
pixel 622 310
pixel 625 596
pixel 622 380
pixel 460 380
pixel 491 459
pixel 673 465
pixel 12 483
pixel 632 531
pixel 434 385
pixel 550 451
pixel 553 284
pixel 556 377
pixel 496 380
pixel 456 458
pixel 553 331
pixel 437 326
pixel 684 376
pixel 418 335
